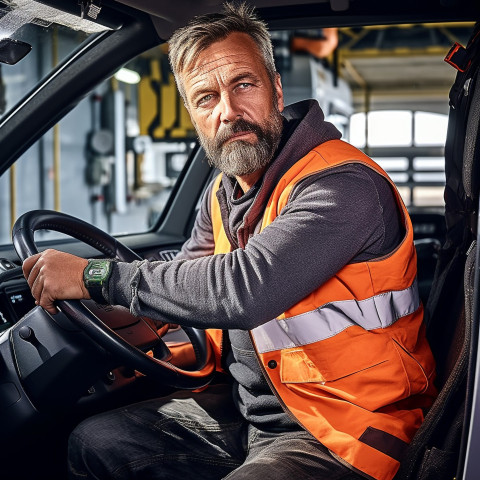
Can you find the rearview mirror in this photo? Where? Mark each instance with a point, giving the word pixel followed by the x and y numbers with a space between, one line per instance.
pixel 12 51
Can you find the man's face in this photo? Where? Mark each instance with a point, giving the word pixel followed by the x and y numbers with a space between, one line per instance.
pixel 233 105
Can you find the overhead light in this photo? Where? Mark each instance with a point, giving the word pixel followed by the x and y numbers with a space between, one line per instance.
pixel 128 76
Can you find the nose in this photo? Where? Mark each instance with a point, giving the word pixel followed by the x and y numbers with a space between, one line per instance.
pixel 230 110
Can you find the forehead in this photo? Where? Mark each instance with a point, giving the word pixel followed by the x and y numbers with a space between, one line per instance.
pixel 237 52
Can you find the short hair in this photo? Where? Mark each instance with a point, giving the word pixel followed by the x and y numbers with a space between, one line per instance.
pixel 202 31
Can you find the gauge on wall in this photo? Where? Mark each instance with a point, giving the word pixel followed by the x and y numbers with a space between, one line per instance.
pixel 101 142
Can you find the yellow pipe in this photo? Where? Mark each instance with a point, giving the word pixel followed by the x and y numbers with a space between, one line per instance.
pixel 367 99
pixel 56 136
pixel 56 167
pixel 13 195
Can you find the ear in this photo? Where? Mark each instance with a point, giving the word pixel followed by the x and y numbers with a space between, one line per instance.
pixel 278 88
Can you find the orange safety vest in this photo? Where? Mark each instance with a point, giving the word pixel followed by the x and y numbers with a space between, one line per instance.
pixel 350 361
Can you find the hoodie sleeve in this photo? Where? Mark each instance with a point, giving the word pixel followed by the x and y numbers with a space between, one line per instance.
pixel 329 222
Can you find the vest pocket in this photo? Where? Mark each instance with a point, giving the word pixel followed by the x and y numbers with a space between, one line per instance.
pixel 297 367
pixel 417 378
pixel 375 373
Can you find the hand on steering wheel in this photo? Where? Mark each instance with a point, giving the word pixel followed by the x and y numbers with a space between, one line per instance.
pixel 93 326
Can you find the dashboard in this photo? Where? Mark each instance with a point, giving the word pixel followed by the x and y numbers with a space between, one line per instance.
pixel 15 297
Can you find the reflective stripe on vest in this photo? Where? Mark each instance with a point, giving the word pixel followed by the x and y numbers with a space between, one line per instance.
pixel 379 311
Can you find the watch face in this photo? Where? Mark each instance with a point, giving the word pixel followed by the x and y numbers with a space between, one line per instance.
pixel 96 271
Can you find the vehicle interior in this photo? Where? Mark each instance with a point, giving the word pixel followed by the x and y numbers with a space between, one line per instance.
pixel 99 158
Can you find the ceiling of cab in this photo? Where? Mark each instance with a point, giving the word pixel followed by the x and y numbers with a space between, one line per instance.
pixel 167 16
pixel 15 13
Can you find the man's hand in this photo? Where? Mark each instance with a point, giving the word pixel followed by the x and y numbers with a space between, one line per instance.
pixel 54 275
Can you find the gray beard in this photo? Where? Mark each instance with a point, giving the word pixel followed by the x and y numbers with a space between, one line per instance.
pixel 240 157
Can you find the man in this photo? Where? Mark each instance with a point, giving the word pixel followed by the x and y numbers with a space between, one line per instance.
pixel 302 258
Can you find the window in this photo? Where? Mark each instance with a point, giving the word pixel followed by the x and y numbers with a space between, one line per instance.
pixel 430 128
pixel 384 129
pixel 409 146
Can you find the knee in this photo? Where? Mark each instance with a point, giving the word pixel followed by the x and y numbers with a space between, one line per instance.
pixel 87 450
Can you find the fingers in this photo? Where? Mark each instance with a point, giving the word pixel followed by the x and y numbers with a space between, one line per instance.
pixel 36 279
pixel 41 293
pixel 29 263
pixel 54 275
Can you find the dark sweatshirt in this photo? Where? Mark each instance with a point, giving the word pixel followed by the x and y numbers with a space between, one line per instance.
pixel 344 215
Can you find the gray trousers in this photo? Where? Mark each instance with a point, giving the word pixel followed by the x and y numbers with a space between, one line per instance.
pixel 194 435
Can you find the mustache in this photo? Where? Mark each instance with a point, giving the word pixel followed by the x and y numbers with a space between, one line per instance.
pixel 237 127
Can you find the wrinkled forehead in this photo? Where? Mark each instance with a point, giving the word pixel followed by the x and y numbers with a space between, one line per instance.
pixel 221 66
pixel 238 50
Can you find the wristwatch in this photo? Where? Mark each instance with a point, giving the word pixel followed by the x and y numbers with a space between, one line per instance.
pixel 95 276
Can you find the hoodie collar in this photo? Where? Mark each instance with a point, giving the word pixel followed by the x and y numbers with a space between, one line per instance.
pixel 304 129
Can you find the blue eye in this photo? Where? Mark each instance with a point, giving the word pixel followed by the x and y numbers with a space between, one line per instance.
pixel 204 99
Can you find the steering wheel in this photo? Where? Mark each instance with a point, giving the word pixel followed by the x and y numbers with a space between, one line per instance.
pixel 160 368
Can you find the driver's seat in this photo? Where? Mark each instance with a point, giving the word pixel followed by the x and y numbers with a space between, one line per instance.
pixel 434 451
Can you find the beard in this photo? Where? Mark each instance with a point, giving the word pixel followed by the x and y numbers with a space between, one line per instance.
pixel 239 157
